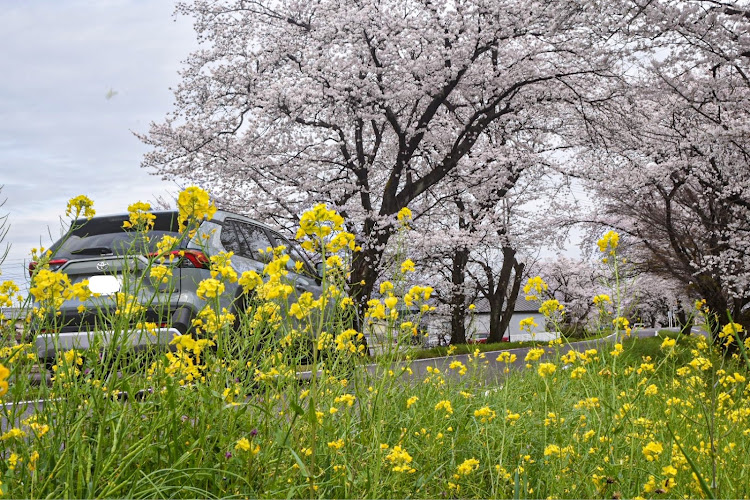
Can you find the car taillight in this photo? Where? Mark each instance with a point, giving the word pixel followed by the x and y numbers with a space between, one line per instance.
pixel 187 258
pixel 54 265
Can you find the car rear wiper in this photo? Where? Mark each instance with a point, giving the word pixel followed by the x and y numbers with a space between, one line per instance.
pixel 93 251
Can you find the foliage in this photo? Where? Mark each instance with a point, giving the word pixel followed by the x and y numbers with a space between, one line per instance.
pixel 235 420
pixel 371 108
pixel 668 160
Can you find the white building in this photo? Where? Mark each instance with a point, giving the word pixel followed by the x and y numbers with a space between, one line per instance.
pixel 478 324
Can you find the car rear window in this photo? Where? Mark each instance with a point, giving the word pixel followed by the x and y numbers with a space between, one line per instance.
pixel 105 235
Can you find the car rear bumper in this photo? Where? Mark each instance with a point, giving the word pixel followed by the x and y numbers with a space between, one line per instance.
pixel 48 345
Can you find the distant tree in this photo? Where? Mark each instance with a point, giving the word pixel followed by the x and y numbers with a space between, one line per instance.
pixel 670 162
pixel 574 283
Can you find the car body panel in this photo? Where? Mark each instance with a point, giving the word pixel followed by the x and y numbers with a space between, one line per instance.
pixel 85 324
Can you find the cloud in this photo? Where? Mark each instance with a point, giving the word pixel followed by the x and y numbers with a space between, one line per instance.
pixel 61 135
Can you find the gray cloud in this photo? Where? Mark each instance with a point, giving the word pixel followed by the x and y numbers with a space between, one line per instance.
pixel 62 131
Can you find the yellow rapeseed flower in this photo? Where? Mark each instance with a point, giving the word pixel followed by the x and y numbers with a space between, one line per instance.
pixel 468 466
pixel 336 445
pixel 80 205
pixel 534 354
pixel 506 357
pixel 652 451
pixel 730 329
pixel 617 351
pixel 160 274
pixel 601 299
pixel 446 406
pixel 399 459
pixel 552 308
pixel 486 414
pixel 404 216
pixel 140 217
pixel 608 242
pixel 193 204
pixel 534 287
pixel 668 343
pixel 546 369
pixel 457 365
pixel 4 374
pixel 527 324
pixel 407 266
pixel 210 288
pixel 249 280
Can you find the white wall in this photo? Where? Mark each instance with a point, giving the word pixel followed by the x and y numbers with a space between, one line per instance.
pixel 481 324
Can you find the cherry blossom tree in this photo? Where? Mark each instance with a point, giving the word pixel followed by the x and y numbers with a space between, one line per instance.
pixel 574 283
pixel 671 163
pixel 369 104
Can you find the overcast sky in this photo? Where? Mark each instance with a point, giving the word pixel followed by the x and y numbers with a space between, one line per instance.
pixel 79 77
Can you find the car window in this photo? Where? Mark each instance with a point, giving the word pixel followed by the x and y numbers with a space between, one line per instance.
pixel 295 255
pixel 246 239
pixel 230 239
pixel 106 235
pixel 257 241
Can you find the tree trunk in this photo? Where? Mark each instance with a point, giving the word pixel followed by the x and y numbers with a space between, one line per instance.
pixel 510 306
pixel 458 296
pixel 364 272
pixel 497 296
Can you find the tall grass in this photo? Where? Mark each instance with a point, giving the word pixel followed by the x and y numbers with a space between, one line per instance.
pixel 225 414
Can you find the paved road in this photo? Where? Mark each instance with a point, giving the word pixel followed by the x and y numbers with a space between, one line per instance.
pixel 495 370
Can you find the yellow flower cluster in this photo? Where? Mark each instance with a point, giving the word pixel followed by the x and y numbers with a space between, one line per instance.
pixel 553 450
pixel 457 365
pixel 7 290
pixel 730 330
pixel 622 324
pixel 160 274
pixel 534 354
pixel 407 266
pixel 446 406
pixel 601 299
pixel 419 295
pixel 552 309
pixel 51 288
pixel 210 288
pixel 527 324
pixel 319 222
pixel 243 444
pixel 127 305
pixel 67 366
pixel 210 321
pixel 546 369
pixel 4 374
pixel 221 266
pixel 485 414
pixel 468 466
pixel 249 280
pixel 80 205
pixel 400 460
pixel 404 216
pixel 608 243
pixel 194 205
pixel 534 288
pixel 139 217
pixel 652 451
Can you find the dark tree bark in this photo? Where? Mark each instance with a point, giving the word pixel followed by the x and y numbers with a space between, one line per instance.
pixel 458 296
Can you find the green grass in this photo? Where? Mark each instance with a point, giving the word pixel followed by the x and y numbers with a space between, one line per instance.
pixel 234 421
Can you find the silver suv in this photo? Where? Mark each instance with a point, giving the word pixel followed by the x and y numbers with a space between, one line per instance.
pixel 112 259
